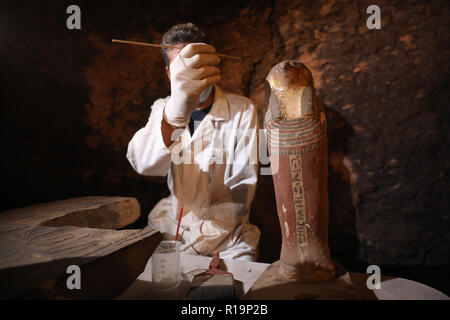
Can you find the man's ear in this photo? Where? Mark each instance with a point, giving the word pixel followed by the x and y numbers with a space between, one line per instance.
pixel 167 72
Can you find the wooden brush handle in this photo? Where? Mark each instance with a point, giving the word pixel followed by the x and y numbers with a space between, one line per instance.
pixel 166 46
pixel 215 261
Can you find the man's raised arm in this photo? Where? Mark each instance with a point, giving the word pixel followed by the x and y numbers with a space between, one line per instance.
pixel 150 148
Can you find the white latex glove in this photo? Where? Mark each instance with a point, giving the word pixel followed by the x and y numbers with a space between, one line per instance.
pixel 193 70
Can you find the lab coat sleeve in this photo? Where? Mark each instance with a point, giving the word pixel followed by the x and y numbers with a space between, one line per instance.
pixel 231 210
pixel 147 153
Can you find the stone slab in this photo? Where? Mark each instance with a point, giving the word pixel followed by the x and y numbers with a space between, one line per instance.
pixel 91 212
pixel 34 260
pixel 38 243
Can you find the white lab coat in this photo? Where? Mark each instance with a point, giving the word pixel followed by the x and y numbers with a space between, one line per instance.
pixel 214 191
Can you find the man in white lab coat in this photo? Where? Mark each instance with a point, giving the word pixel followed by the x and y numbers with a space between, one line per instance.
pixel 205 140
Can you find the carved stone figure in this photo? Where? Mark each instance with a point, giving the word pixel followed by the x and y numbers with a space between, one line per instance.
pixel 296 130
pixel 297 138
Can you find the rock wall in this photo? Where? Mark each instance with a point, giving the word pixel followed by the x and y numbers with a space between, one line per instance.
pixel 71 101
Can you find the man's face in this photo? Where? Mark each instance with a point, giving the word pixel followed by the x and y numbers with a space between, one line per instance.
pixel 172 54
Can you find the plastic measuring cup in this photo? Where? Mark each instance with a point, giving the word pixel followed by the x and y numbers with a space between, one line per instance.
pixel 166 265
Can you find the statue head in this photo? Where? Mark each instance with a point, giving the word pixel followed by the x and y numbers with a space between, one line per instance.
pixel 290 91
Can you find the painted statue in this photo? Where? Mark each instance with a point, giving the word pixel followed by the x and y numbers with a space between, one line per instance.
pixel 296 131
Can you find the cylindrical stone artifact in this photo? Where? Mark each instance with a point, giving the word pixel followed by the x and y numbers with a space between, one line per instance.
pixel 296 130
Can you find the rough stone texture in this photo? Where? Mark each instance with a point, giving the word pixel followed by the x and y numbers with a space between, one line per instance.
pixel 389 89
pixel 92 212
pixel 38 243
pixel 72 100
pixel 35 260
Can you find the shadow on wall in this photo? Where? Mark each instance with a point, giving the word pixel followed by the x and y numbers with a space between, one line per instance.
pixel 264 215
pixel 342 235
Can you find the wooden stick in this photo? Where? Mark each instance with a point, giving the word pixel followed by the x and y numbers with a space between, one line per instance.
pixel 166 46
pixel 179 221
pixel 145 44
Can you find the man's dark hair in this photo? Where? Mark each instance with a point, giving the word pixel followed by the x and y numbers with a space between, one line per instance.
pixel 181 34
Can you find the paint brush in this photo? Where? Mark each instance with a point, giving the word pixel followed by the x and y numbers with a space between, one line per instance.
pixel 214 284
pixel 166 46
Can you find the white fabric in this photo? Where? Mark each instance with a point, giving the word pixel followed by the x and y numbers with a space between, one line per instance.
pixel 192 71
pixel 216 195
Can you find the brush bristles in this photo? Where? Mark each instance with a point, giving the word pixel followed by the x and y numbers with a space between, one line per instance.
pixel 212 287
pixel 211 292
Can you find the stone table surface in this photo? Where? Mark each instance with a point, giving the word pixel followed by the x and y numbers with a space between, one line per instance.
pixel 246 273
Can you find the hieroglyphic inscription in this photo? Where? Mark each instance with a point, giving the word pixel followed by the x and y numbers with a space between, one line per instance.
pixel 295 162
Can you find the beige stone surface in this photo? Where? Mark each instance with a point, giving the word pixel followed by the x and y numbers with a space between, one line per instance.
pixel 39 243
pixel 34 260
pixel 92 212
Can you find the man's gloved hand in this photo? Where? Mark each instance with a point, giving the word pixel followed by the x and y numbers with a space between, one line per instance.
pixel 192 71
